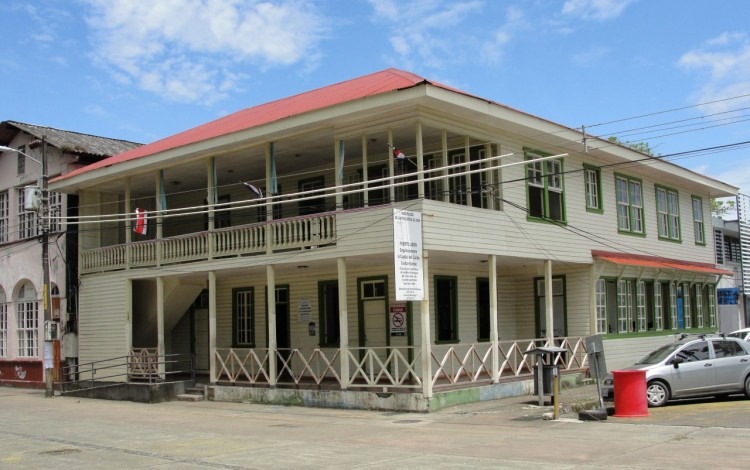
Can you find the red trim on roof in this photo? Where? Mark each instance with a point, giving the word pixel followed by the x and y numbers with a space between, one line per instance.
pixel 646 261
pixel 369 85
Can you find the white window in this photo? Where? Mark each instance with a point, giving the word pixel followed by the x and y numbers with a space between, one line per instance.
pixel 544 188
pixel 686 306
pixel 457 184
pixel 641 305
pixel 243 307
pixel 27 321
pixel 26 220
pixel 629 205
pixel 711 291
pixel 601 306
pixel 668 213
pixel 625 306
pixel 4 214
pixel 698 227
pixel 658 308
pixel 673 305
pixel 55 212
pixel 593 192
pixel 699 305
pixel 3 325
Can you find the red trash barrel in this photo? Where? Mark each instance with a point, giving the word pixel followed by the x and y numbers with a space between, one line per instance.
pixel 630 393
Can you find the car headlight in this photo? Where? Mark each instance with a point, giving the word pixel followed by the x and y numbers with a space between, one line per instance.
pixel 608 381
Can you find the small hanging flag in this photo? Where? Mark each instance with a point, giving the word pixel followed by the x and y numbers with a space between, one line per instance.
pixel 141 222
pixel 254 189
pixel 398 154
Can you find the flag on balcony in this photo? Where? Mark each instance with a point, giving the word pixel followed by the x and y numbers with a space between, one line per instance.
pixel 258 192
pixel 141 222
pixel 398 154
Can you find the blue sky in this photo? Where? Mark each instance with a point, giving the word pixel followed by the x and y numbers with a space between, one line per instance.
pixel 673 73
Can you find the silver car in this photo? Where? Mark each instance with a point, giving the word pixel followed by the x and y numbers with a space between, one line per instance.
pixel 741 334
pixel 693 366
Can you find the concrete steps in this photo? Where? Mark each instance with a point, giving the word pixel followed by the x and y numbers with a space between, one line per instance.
pixel 197 393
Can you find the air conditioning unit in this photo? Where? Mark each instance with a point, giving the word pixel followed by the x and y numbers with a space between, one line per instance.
pixel 32 198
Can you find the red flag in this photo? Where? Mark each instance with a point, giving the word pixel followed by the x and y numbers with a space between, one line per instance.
pixel 398 154
pixel 141 222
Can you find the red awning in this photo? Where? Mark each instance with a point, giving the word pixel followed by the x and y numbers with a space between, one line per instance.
pixel 646 261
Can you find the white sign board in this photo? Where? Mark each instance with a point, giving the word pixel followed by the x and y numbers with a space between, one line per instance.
pixel 398 319
pixel 407 254
pixel 304 310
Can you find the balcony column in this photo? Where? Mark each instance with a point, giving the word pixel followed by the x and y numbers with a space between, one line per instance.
pixel 365 176
pixel 339 153
pixel 343 323
pixel 426 336
pixel 494 334
pixel 160 350
pixel 212 325
pixel 467 167
pixel 128 231
pixel 271 303
pixel 420 162
pixel 445 182
pixel 391 168
pixel 160 206
pixel 270 190
pixel 211 198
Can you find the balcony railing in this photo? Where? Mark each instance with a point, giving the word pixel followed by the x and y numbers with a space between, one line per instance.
pixel 394 368
pixel 288 234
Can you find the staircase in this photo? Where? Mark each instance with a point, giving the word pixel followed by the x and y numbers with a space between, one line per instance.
pixel 195 393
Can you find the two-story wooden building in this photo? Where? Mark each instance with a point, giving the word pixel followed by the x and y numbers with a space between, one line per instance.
pixel 263 244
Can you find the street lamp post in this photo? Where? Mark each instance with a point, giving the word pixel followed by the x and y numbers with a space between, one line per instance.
pixel 48 353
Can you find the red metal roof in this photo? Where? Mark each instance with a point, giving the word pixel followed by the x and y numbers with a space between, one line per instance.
pixel 369 85
pixel 657 262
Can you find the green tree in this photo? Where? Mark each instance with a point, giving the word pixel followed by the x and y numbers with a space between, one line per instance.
pixel 642 147
pixel 721 208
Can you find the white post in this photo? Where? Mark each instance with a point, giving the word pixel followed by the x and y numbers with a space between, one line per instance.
pixel 420 162
pixel 271 304
pixel 494 334
pixel 212 325
pixel 211 196
pixel 160 350
pixel 548 301
pixel 391 167
pixel 365 198
pixel 426 336
pixel 128 230
pixel 343 323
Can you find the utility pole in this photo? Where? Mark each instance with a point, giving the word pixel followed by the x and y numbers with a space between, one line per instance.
pixel 49 340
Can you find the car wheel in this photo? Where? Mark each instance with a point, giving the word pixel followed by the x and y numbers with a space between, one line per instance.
pixel 657 393
pixel 747 386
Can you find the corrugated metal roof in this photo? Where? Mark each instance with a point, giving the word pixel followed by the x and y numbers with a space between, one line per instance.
pixel 71 142
pixel 646 261
pixel 368 85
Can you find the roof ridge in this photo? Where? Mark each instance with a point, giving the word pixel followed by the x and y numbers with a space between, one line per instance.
pixel 70 132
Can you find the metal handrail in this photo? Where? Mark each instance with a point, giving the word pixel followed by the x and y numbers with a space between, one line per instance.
pixel 112 371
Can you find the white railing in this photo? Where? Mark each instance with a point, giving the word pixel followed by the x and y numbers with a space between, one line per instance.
pixel 381 368
pixel 297 233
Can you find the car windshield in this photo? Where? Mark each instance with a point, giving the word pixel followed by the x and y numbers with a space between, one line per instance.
pixel 738 334
pixel 660 354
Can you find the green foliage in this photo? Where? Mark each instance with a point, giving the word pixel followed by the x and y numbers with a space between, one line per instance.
pixel 642 147
pixel 721 208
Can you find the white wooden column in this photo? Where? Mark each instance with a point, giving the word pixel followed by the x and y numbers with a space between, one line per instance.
pixel 548 301
pixel 391 168
pixel 343 323
pixel 445 182
pixel 466 168
pixel 426 335
pixel 494 334
pixel 212 326
pixel 269 205
pixel 420 162
pixel 365 176
pixel 211 197
pixel 128 229
pixel 159 219
pixel 339 151
pixel 160 350
pixel 271 305
pixel 129 315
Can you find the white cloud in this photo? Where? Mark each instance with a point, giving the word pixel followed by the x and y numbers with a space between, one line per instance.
pixel 591 56
pixel 595 9
pixel 426 31
pixel 493 49
pixel 186 50
pixel 725 63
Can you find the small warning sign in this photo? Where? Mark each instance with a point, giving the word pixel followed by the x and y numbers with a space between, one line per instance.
pixel 398 319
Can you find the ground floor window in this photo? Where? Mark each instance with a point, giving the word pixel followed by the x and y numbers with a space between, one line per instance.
pixel 483 309
pixel 328 303
pixel 558 306
pixel 3 326
pixel 27 321
pixel 601 306
pixel 243 317
pixel 446 309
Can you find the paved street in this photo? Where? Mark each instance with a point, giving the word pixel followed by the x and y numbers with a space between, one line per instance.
pixel 64 432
